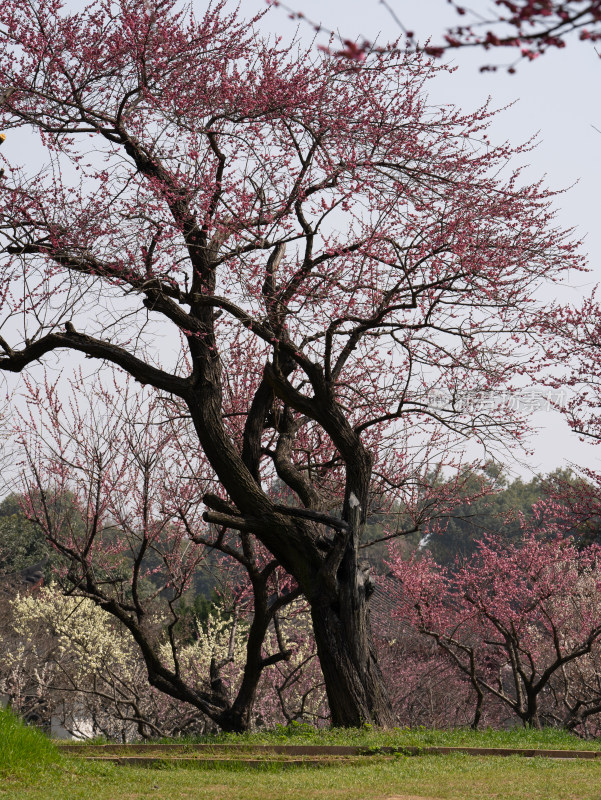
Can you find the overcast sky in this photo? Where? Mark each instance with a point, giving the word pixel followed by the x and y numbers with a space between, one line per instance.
pixel 552 97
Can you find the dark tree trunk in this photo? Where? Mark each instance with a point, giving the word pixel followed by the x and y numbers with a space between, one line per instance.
pixel 531 718
pixel 341 624
pixel 354 684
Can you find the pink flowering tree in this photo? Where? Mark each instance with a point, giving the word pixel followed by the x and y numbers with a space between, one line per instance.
pixel 324 274
pixel 425 686
pixel 515 620
pixel 116 488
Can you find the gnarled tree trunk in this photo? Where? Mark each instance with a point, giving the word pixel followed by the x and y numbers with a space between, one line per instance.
pixel 354 684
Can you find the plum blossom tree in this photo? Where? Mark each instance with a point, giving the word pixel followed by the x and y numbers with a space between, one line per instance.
pixel 426 688
pixel 515 620
pixel 70 660
pixel 531 27
pixel 116 488
pixel 572 337
pixel 65 658
pixel 292 250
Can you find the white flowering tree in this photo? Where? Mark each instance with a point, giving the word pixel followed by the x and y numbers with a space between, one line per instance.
pixel 66 658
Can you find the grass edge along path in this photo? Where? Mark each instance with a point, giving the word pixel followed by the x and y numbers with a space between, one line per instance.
pixel 290 755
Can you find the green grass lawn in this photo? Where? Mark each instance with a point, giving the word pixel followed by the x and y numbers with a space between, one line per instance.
pixel 424 776
pixel 31 767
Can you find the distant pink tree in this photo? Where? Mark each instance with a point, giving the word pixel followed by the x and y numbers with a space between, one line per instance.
pixel 426 688
pixel 512 619
pixel 330 280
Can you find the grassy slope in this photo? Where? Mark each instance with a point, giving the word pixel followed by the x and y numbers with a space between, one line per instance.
pixel 23 749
